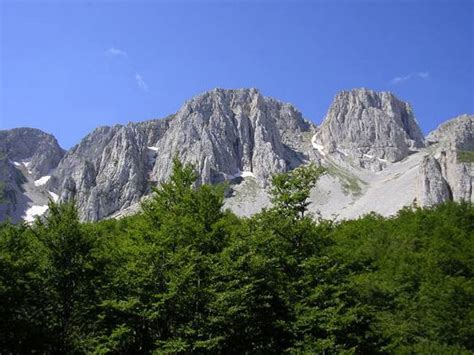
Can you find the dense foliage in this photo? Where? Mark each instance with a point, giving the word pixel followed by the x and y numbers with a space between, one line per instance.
pixel 185 276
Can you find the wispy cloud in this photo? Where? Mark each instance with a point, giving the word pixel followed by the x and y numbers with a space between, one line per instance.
pixel 400 79
pixel 141 83
pixel 423 75
pixel 116 52
pixel 404 78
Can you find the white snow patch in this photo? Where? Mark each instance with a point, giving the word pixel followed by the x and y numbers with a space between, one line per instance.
pixel 16 163
pixel 372 157
pixel 42 180
pixel 242 174
pixel 33 212
pixel 317 146
pixel 247 173
pixel 54 196
pixel 153 148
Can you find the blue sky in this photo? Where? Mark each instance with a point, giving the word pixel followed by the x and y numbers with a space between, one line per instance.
pixel 68 67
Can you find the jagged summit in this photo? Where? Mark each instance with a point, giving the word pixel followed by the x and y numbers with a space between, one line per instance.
pixel 224 133
pixel 448 168
pixel 27 158
pixel 38 149
pixel 227 131
pixel 207 99
pixel 369 141
pixel 458 131
pixel 370 127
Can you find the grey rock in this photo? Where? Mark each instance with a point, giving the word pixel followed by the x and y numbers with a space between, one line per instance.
pixel 452 144
pixel 39 150
pixel 455 134
pixel 107 171
pixel 26 154
pixel 458 174
pixel 374 150
pixel 370 128
pixel 433 188
pixel 224 133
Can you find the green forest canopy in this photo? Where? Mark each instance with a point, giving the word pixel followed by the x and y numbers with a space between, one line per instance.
pixel 185 276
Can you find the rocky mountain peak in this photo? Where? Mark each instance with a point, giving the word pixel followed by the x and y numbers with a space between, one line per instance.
pixel 457 133
pixel 370 128
pixel 226 134
pixel 27 158
pixel 452 148
pixel 219 99
pixel 244 137
pixel 40 151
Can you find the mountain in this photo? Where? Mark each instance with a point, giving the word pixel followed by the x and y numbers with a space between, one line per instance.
pixel 375 154
pixel 27 158
pixel 370 128
pixel 447 170
pixel 225 133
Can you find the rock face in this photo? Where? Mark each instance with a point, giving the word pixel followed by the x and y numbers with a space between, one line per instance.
pixel 38 151
pixel 433 187
pixel 369 142
pixel 227 132
pixel 370 128
pixel 452 147
pixel 455 134
pixel 107 171
pixel 26 156
pixel 224 133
